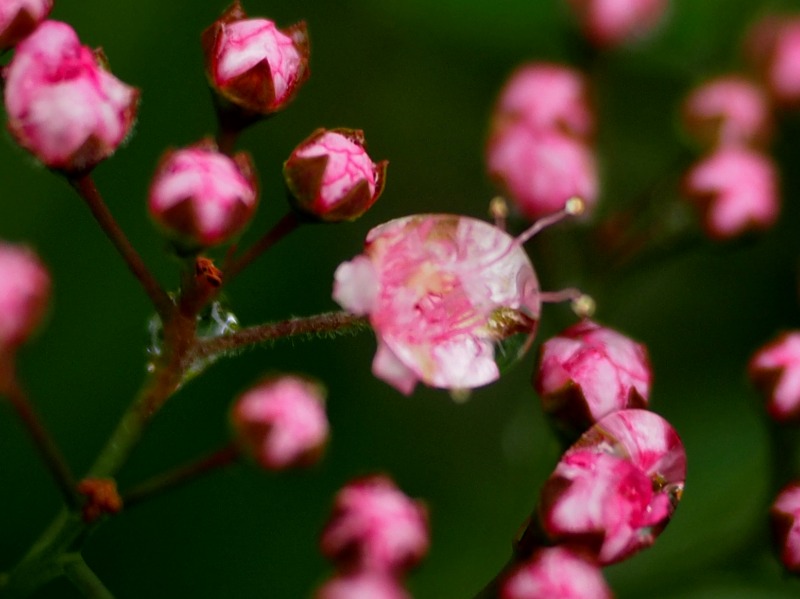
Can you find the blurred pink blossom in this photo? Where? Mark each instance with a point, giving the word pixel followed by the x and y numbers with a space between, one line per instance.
pixel 18 18
pixel 773 46
pixel 556 572
pixel 24 294
pixel 615 22
pixel 775 369
pixel 785 516
pixel 362 585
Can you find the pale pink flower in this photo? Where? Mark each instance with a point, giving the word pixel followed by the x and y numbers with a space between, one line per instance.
pixel 773 45
pixel 331 177
pixel 281 422
pixel 547 96
pixel 556 573
pixel 375 527
pixel 18 18
pixel 726 110
pixel 589 371
pixel 62 105
pixel 785 516
pixel 362 585
pixel 253 64
pixel 24 294
pixel 448 297
pixel 541 169
pixel 614 22
pixel 736 190
pixel 616 488
pixel 775 370
pixel 201 196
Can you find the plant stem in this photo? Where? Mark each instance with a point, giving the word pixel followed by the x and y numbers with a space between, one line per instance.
pixel 330 322
pixel 84 185
pixel 181 475
pixel 82 576
pixel 282 228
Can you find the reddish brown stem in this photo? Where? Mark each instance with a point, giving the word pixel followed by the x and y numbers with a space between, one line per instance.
pixel 284 226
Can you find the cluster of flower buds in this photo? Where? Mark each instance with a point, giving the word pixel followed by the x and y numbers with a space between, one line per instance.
pixel 609 23
pixel 539 149
pixel 374 536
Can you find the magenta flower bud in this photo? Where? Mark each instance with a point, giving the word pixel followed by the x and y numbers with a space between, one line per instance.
pixel 253 64
pixel 331 177
pixel 773 46
pixel 728 110
pixel 785 516
pixel 736 190
pixel 451 299
pixel 556 572
pixel 362 585
pixel 18 18
pixel 62 105
pixel 615 489
pixel 775 370
pixel 202 197
pixel 547 96
pixel 281 422
pixel 589 371
pixel 541 169
pixel 24 294
pixel 615 22
pixel 376 528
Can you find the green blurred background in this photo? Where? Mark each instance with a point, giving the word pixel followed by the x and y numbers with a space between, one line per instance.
pixel 419 76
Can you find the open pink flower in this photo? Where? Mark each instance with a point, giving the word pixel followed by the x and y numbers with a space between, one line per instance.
pixel 773 46
pixel 201 196
pixel 614 22
pixel 18 18
pixel 785 516
pixel 589 371
pixel 547 96
pixel 362 585
pixel 375 527
pixel 617 487
pixel 331 177
pixel 62 105
pixel 728 110
pixel 253 64
pixel 281 422
pixel 775 370
pixel 448 297
pixel 736 190
pixel 24 294
pixel 556 573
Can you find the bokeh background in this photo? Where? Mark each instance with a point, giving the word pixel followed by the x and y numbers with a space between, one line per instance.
pixel 419 76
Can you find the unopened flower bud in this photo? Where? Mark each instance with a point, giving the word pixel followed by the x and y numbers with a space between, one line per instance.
pixel 589 371
pixel 785 516
pixel 254 65
pixel 365 584
pixel 202 197
pixel 556 572
pixel 617 487
pixel 24 294
pixel 63 106
pixel 281 422
pixel 728 110
pixel 331 177
pixel 18 18
pixel 614 22
pixel 736 190
pixel 375 527
pixel 775 370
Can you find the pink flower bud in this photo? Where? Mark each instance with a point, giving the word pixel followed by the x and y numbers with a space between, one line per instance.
pixel 614 22
pixel 735 189
pixel 281 422
pixel 331 177
pixel 541 169
pixel 448 297
pixel 24 294
pixel 547 96
pixel 616 488
pixel 775 370
pixel 253 64
pixel 773 46
pixel 201 196
pixel 728 110
pixel 375 527
pixel 556 572
pixel 18 18
pixel 589 371
pixel 63 106
pixel 785 516
pixel 362 585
